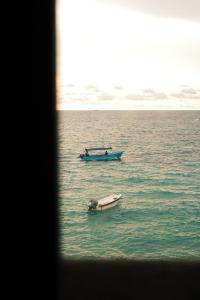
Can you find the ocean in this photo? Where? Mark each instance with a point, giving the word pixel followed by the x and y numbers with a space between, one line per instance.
pixel 158 176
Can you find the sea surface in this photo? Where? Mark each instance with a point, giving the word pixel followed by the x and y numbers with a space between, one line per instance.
pixel 158 176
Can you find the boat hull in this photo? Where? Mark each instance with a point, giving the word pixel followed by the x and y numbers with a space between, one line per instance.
pixel 105 203
pixel 111 156
pixel 107 206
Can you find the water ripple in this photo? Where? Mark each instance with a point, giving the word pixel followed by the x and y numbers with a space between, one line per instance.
pixel 158 176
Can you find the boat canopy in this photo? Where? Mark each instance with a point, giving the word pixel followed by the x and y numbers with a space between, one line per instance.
pixel 94 149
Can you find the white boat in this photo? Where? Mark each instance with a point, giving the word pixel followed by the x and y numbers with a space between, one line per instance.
pixel 105 203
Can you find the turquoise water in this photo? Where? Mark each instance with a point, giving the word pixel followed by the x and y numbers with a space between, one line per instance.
pixel 158 177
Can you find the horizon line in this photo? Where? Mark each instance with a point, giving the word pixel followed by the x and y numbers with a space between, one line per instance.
pixel 128 109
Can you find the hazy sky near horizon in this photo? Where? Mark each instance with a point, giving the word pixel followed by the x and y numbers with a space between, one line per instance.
pixel 123 54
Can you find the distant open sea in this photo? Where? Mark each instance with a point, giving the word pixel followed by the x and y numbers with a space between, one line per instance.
pixel 158 177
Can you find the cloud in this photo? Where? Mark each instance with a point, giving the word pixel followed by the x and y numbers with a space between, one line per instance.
pixel 89 97
pixel 117 87
pixel 135 97
pixel 84 96
pixel 68 93
pixel 189 91
pixel 148 91
pixel 177 95
pixel 186 93
pixel 148 94
pixel 160 96
pixel 70 85
pixel 92 88
pixel 182 9
pixel 105 97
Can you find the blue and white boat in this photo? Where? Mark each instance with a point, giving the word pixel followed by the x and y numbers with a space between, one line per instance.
pixel 106 155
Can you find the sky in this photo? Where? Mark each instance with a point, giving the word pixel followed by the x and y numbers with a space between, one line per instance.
pixel 128 54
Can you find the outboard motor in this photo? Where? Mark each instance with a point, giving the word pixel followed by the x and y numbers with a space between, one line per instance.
pixel 92 204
